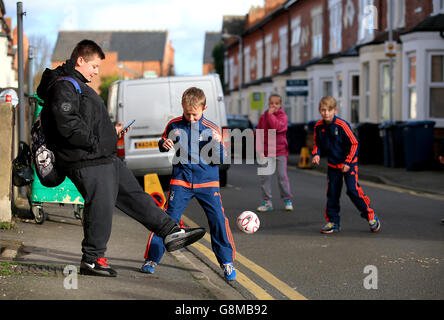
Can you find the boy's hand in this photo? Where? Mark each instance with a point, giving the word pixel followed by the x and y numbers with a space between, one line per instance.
pixel 316 160
pixel 216 136
pixel 119 127
pixel 345 168
pixel 168 144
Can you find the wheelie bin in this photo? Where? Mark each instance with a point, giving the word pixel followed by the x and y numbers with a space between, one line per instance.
pixel 418 144
pixel 296 136
pixel 393 144
pixel 370 143
pixel 65 193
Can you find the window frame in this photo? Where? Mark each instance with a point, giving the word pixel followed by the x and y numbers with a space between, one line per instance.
pixel 411 85
pixel 335 42
pixel 316 38
pixel 429 82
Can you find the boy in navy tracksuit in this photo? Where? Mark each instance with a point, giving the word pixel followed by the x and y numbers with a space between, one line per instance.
pixel 199 149
pixel 334 138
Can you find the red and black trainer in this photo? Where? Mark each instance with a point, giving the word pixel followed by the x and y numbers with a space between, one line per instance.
pixel 97 267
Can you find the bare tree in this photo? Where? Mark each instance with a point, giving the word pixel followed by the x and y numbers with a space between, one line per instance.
pixel 42 55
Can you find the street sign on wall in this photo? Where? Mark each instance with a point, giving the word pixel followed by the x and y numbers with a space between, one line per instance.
pixel 297 87
pixel 256 100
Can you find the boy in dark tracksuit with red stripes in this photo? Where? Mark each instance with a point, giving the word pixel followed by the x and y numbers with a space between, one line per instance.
pixel 195 175
pixel 334 138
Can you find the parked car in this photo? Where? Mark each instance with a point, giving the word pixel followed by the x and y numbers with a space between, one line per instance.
pixel 153 102
pixel 242 140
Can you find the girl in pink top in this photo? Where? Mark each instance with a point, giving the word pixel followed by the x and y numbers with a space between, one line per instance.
pixel 272 146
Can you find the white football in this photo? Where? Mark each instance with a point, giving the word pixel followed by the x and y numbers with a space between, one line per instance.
pixel 248 222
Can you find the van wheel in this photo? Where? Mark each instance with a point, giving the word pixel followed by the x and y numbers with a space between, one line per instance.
pixel 223 177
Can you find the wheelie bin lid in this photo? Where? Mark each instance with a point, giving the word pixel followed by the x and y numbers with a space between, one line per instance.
pixel 391 124
pixel 426 123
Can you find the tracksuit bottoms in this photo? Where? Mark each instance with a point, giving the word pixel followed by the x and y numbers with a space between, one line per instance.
pixel 209 198
pixel 280 164
pixel 336 178
pixel 104 187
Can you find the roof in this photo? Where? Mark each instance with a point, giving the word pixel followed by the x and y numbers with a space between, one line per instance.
pixel 233 24
pixel 211 40
pixel 130 45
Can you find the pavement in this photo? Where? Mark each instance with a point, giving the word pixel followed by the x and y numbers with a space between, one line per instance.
pixel 36 259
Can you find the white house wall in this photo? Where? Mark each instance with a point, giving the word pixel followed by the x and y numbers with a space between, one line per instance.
pixel 7 74
pixel 375 55
pixel 421 44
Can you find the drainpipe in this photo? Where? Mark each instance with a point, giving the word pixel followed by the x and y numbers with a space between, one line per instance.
pixel 390 31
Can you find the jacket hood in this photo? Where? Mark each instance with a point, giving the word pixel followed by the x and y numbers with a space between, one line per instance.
pixel 50 75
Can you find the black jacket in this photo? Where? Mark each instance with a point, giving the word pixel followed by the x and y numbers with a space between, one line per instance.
pixel 77 126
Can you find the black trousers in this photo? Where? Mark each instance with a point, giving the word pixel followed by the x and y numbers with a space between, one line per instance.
pixel 105 187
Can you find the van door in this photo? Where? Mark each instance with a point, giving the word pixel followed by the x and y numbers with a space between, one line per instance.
pixel 146 101
pixel 179 84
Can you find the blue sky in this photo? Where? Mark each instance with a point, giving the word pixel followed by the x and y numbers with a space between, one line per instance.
pixel 186 21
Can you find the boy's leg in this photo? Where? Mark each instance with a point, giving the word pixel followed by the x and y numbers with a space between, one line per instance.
pixel 357 195
pixel 334 187
pixel 222 241
pixel 284 184
pixel 136 203
pixel 266 184
pixel 178 199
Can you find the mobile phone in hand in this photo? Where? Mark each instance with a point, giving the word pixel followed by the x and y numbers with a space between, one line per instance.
pixel 127 127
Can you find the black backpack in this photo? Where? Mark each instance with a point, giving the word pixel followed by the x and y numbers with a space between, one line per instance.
pixel 43 157
pixel 22 173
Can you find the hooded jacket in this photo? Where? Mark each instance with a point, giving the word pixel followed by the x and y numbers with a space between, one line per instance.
pixel 76 125
pixel 279 122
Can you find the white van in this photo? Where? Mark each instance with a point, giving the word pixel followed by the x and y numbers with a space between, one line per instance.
pixel 153 102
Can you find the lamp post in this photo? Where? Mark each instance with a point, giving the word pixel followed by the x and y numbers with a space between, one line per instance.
pixel 239 38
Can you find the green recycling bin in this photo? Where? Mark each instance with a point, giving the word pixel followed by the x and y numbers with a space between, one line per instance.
pixel 65 193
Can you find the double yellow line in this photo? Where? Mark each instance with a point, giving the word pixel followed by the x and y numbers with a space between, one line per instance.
pixel 242 279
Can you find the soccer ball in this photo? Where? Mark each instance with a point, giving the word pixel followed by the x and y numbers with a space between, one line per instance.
pixel 248 222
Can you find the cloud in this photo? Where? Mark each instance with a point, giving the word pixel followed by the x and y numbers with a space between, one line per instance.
pixel 186 21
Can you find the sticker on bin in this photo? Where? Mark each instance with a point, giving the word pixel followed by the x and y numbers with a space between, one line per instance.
pixel 146 144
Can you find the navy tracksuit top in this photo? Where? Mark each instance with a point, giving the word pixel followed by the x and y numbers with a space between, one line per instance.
pixel 197 155
pixel 336 141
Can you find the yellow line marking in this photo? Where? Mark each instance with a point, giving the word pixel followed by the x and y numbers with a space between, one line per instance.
pixel 242 279
pixel 261 272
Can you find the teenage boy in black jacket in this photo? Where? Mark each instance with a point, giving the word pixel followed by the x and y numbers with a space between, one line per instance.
pixel 79 129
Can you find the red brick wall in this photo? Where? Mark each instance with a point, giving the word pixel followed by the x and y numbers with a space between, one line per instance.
pixel 233 52
pixel 350 34
pixel 273 27
pixel 208 68
pixel 303 10
pixel 413 15
pixel 412 18
pixel 250 40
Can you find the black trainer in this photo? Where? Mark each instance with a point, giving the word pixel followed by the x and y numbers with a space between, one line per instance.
pixel 97 267
pixel 182 237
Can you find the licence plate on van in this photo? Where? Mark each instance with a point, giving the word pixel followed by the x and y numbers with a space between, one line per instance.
pixel 146 144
